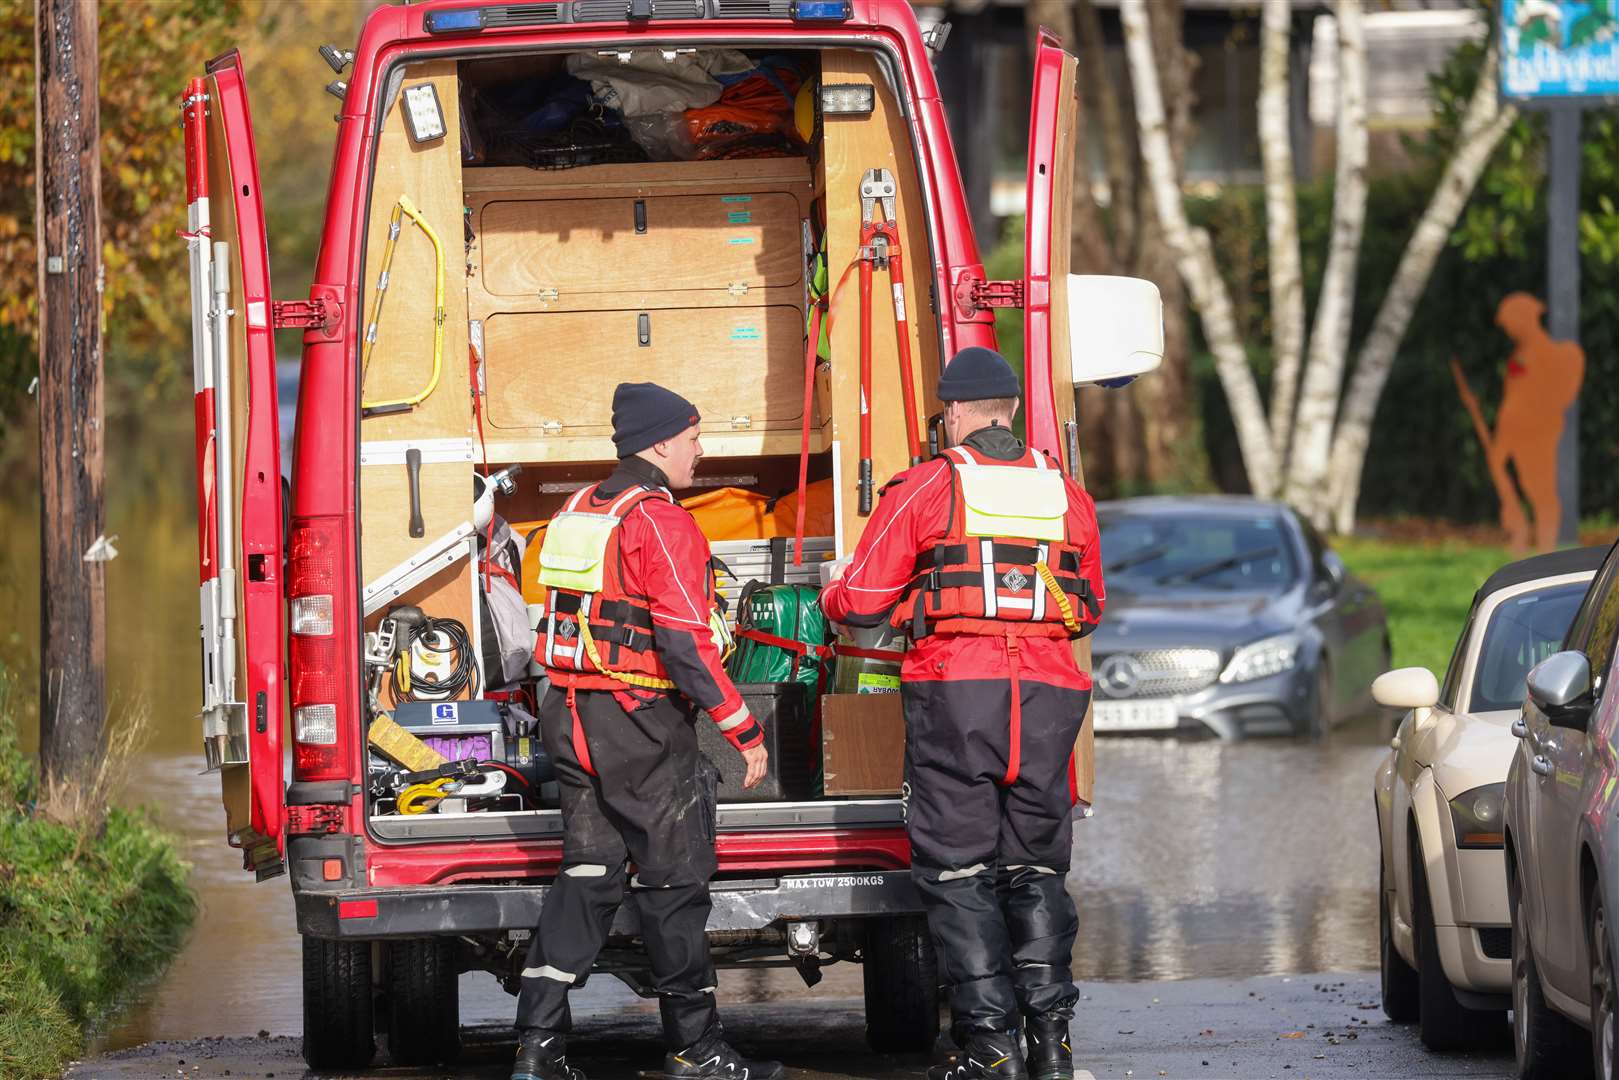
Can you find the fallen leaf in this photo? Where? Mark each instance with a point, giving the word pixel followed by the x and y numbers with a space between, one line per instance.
pixel 1292 1035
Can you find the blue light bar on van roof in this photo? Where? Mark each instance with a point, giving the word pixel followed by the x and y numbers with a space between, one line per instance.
pixel 454 21
pixel 822 10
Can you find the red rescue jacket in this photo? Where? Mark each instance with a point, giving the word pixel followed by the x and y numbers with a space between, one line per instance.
pixel 651 617
pixel 916 516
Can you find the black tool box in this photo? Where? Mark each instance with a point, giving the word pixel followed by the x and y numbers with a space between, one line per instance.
pixel 783 710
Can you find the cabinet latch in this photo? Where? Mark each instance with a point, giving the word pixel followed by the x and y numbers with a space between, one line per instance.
pixel 737 288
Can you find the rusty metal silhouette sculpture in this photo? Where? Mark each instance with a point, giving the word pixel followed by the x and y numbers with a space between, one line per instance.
pixel 1542 380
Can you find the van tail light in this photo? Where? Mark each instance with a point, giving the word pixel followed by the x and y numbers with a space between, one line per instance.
pixel 322 735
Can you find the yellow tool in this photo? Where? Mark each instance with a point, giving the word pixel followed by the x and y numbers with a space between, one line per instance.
pixel 402 746
pixel 402 209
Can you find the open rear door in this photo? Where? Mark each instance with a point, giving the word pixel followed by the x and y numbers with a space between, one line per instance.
pixel 1047 368
pixel 238 464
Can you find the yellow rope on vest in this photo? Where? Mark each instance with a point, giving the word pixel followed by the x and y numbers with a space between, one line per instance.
pixel 1069 620
pixel 647 682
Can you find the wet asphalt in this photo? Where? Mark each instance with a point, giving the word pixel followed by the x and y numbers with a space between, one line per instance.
pixel 1213 882
pixel 1299 1028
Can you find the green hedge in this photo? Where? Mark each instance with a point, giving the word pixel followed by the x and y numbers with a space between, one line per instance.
pixel 84 915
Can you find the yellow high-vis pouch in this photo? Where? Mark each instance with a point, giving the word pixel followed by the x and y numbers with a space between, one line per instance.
pixel 574 553
pixel 1011 501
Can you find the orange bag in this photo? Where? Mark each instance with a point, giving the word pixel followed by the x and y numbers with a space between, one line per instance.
pixel 820 518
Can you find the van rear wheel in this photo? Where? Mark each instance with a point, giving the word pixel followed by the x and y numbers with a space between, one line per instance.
pixel 902 985
pixel 338 1011
pixel 424 1002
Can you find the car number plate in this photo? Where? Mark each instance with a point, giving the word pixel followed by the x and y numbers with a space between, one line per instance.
pixel 1135 716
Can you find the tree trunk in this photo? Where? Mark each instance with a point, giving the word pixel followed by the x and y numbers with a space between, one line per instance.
pixel 1116 148
pixel 68 212
pixel 1281 220
pixel 1195 256
pixel 1329 339
pixel 1482 128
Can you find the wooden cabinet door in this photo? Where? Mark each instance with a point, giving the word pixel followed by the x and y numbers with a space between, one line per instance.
pixel 553 373
pixel 655 243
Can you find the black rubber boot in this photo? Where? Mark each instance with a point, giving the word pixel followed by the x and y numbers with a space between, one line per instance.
pixel 1049 1055
pixel 715 1059
pixel 994 1056
pixel 542 1055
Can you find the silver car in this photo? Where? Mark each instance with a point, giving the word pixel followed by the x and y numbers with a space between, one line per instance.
pixel 1562 860
pixel 1445 939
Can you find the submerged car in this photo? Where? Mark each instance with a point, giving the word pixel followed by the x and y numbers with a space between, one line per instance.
pixel 1562 847
pixel 1230 616
pixel 1445 939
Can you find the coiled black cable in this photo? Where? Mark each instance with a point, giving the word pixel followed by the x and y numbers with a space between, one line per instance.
pixel 461 676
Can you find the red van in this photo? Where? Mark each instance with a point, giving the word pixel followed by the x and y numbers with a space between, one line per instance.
pixel 669 189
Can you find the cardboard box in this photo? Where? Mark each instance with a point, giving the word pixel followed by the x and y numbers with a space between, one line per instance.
pixel 862 743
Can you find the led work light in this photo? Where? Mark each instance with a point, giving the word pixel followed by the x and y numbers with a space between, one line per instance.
pixel 856 99
pixel 423 113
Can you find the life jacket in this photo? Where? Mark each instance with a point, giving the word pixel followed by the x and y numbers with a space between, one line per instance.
pixel 1006 565
pixel 594 633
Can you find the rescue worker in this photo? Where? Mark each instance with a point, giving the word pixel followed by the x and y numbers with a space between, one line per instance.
pixel 987 557
pixel 632 640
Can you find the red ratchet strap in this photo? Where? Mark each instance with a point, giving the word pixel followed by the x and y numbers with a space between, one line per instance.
pixel 1014 752
pixel 483 448
pixel 581 748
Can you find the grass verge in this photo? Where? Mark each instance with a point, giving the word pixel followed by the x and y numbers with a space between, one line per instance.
pixel 86 911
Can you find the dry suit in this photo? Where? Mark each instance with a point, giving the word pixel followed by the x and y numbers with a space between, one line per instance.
pixel 993 701
pixel 634 785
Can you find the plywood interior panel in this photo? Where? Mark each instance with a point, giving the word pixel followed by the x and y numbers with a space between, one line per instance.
pixel 402 360
pixel 853 144
pixel 445 595
pixel 655 243
pixel 385 540
pixel 862 744
pixel 727 362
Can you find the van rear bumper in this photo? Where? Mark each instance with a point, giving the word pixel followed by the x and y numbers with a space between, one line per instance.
pixel 428 910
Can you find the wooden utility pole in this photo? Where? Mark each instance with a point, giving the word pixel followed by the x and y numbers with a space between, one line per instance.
pixel 68 228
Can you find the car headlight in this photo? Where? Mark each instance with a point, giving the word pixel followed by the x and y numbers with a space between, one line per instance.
pixel 1267 656
pixel 1478 815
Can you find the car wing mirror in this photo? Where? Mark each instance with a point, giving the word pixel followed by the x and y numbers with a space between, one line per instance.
pixel 1406 688
pixel 1560 687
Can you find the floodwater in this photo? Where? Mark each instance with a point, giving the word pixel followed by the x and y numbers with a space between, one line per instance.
pixel 1203 859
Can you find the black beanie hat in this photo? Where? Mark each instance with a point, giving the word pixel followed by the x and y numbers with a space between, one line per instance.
pixel 976 374
pixel 645 413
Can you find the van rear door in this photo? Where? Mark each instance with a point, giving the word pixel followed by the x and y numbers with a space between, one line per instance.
pixel 1048 367
pixel 238 463
pixel 1053 117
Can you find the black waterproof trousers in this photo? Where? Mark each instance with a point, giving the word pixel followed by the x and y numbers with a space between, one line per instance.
pixel 989 856
pixel 634 786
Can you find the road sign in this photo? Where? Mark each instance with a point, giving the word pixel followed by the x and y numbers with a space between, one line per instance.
pixel 1555 51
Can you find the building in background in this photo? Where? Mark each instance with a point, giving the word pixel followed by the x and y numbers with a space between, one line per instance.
pixel 983 76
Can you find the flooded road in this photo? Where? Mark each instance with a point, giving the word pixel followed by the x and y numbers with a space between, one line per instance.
pixel 1203 860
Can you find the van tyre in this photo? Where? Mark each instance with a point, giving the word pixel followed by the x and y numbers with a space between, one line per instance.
pixel 1546 1044
pixel 1443 1022
pixel 424 1004
pixel 902 985
pixel 1399 977
pixel 338 1010
pixel 1602 987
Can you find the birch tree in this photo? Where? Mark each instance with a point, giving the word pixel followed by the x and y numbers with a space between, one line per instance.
pixel 1311 448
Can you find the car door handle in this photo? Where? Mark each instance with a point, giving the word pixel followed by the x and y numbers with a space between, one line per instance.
pixel 1541 764
pixel 1520 729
